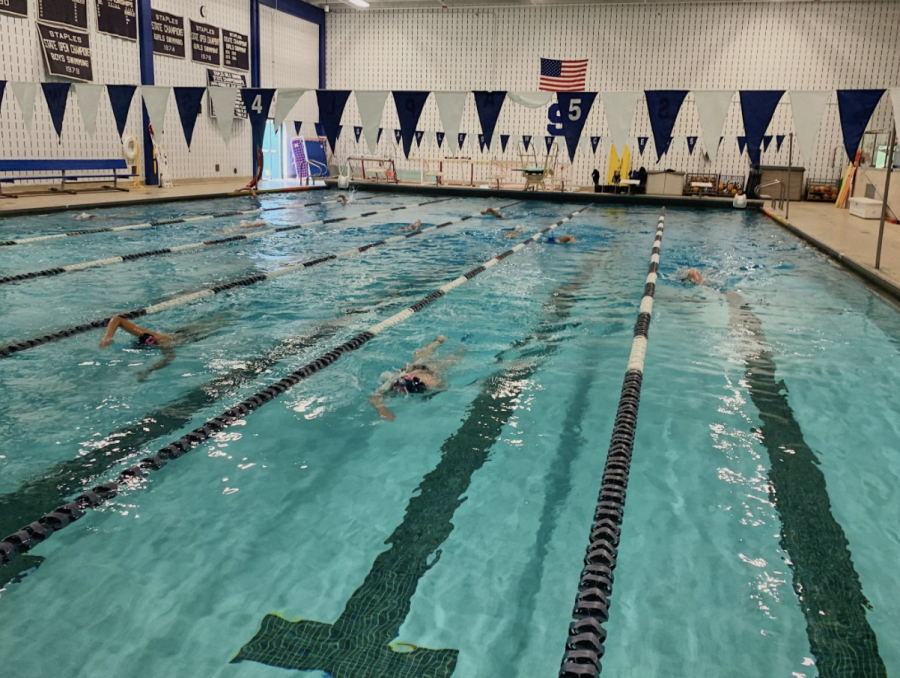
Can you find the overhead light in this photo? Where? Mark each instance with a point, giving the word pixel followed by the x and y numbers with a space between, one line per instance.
pixel 359 3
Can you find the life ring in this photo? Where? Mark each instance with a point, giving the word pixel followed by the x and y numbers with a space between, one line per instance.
pixel 130 147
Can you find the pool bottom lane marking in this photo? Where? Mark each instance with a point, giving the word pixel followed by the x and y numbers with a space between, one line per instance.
pixel 39 530
pixel 189 297
pixel 359 643
pixel 169 222
pixel 826 583
pixel 108 261
pixel 585 644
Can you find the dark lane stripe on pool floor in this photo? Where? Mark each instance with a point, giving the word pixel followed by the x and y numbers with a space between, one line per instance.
pixel 825 580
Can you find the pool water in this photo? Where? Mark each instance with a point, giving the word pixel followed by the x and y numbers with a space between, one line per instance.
pixel 759 538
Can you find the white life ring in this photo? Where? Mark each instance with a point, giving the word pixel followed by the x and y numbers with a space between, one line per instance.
pixel 130 147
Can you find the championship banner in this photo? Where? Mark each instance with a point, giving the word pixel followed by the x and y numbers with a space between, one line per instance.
pixel 168 34
pixel 66 12
pixel 206 44
pixel 236 50
pixel 216 78
pixel 116 17
pixel 66 52
pixel 14 7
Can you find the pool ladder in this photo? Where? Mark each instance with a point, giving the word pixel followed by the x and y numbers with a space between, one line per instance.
pixel 781 195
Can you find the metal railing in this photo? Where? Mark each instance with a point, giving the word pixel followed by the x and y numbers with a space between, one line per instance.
pixel 781 193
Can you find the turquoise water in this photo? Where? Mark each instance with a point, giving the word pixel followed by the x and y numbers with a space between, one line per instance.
pixel 287 513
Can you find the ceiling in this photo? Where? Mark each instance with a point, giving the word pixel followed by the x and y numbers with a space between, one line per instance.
pixel 344 6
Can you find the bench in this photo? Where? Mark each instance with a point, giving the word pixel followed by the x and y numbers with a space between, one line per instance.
pixel 66 171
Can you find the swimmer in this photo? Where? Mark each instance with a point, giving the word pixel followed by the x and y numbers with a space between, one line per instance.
pixel 563 239
pixel 342 198
pixel 414 226
pixel 417 377
pixel 243 225
pixel 691 275
pixel 85 215
pixel 150 339
pixel 512 233
pixel 491 210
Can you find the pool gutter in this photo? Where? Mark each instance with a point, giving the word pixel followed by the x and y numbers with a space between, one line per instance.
pixel 869 276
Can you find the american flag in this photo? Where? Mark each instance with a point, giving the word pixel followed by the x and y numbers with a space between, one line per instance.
pixel 563 75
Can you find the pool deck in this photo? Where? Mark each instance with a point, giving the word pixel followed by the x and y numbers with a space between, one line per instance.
pixel 44 203
pixel 849 240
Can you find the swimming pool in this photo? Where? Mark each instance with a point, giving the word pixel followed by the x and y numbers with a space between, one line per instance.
pixel 758 536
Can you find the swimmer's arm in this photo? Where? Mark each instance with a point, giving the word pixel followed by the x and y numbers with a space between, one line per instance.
pixel 168 357
pixel 115 323
pixel 378 403
pixel 426 351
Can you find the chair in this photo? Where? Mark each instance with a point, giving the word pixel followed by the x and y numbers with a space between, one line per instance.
pixel 498 173
pixel 437 174
pixel 548 170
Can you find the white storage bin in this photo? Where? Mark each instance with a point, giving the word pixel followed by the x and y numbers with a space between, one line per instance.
pixel 865 208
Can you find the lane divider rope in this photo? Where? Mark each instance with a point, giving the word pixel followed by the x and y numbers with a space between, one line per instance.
pixel 39 530
pixel 189 297
pixel 47 272
pixel 168 222
pixel 585 645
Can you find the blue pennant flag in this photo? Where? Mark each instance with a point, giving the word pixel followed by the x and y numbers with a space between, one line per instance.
pixel 526 141
pixel 548 142
pixel 460 140
pixel 357 131
pixel 320 129
pixel 767 141
pixel 779 139
pixel 481 142
pixel 504 139
pixel 397 135
pixel 595 142
pixel 691 144
pixel 2 89
pixel 257 102
pixel 331 110
pixel 742 144
pixel 642 144
pixel 488 105
pixel 721 139
pixel 574 108
pixel 419 135
pixel 188 101
pixel 409 110
pixel 662 107
pixel 757 107
pixel 440 138
pixel 856 107
pixel 120 97
pixel 297 124
pixel 57 96
pixel 378 138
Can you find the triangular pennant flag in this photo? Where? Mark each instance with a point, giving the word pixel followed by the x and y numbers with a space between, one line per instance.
pixel 460 140
pixel 531 99
pixel 409 110
pixel 297 125
pixel 642 144
pixel 371 108
pixel 222 101
pixel 504 140
pixel 88 96
pixel 357 132
pixel 3 89
pixel 721 139
pixel 397 136
pixel 56 94
pixel 663 106
pixel 429 139
pixel 156 99
pixel 548 142
pixel 258 101
pixel 488 106
pixel 767 141
pixel 619 107
pixel 450 106
pixel 25 93
pixel 482 142
pixel 712 109
pixel 856 107
pixel 526 141
pixel 440 138
pixel 574 108
pixel 378 138
pixel 691 143
pixel 779 139
pixel 188 101
pixel 419 135
pixel 758 107
pixel 320 129
pixel 120 97
pixel 742 143
pixel 284 104
pixel 331 110
pixel 595 141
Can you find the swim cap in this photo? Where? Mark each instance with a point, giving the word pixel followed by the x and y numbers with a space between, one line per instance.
pixel 146 339
pixel 551 240
pixel 409 384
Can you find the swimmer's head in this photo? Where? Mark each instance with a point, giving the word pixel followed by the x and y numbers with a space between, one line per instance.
pixel 146 340
pixel 551 240
pixel 409 384
pixel 691 275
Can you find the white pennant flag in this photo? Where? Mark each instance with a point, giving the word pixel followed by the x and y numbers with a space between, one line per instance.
pixel 25 92
pixel 808 108
pixel 284 104
pixel 712 108
pixel 222 99
pixel 530 99
pixel 430 140
pixel 619 108
pixel 89 102
pixel 450 106
pixel 156 98
pixel 371 108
